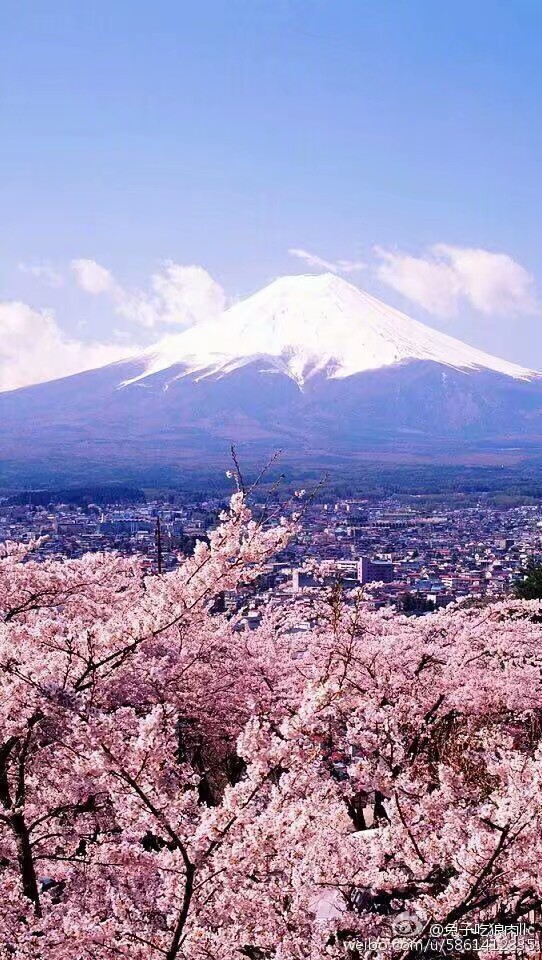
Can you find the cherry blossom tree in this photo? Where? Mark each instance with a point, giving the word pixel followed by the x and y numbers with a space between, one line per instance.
pixel 410 782
pixel 171 786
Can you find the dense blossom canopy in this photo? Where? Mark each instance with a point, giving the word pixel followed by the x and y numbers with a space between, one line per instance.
pixel 171 786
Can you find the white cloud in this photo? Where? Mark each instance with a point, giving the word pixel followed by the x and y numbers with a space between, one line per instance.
pixel 447 276
pixel 92 277
pixel 493 282
pixel 178 296
pixel 334 266
pixel 33 348
pixel 44 272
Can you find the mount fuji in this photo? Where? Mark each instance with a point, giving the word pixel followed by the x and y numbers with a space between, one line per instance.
pixel 309 325
pixel 310 364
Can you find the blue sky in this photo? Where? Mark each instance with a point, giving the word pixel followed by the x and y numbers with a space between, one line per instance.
pixel 223 133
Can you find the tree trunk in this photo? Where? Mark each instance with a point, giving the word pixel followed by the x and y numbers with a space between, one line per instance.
pixel 26 862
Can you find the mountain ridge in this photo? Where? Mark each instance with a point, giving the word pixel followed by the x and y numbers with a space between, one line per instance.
pixel 287 382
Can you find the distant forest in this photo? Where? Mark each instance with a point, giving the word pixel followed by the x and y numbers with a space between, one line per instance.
pixel 79 496
pixel 503 486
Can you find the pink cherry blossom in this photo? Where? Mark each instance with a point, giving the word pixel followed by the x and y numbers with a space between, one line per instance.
pixel 172 787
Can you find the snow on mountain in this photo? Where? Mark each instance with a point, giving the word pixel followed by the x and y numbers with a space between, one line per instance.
pixel 353 380
pixel 303 325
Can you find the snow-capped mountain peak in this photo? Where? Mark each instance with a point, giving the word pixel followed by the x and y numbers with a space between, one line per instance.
pixel 303 325
pixel 311 366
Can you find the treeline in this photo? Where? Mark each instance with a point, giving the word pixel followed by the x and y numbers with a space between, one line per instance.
pixel 79 496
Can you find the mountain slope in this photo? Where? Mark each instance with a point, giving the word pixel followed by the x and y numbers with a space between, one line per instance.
pixel 310 365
